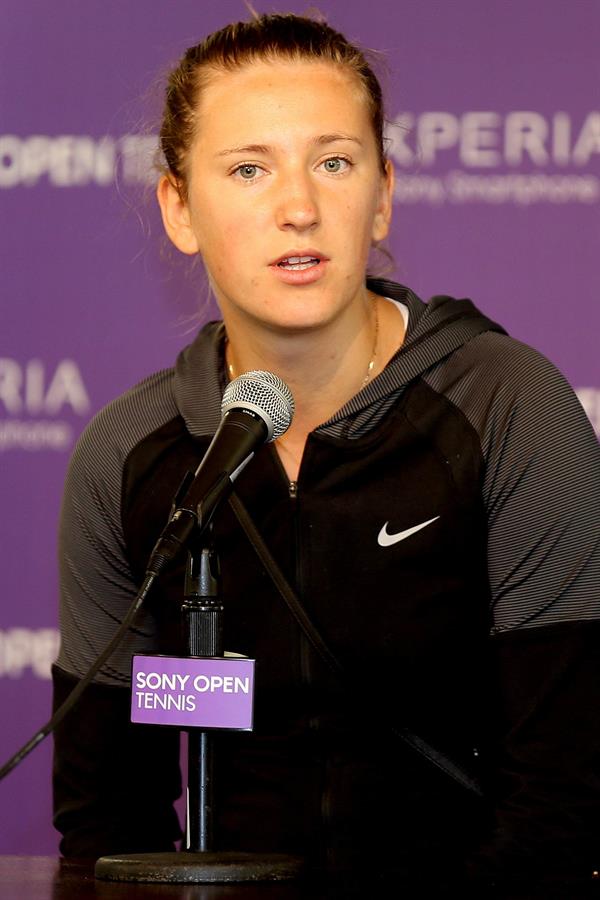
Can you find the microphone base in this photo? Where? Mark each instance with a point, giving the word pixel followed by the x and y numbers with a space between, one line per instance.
pixel 203 867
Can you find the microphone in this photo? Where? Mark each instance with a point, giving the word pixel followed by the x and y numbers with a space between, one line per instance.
pixel 257 407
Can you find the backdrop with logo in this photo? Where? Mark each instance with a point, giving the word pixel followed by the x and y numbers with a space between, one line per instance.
pixel 495 136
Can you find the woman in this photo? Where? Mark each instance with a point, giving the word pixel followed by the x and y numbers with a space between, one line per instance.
pixel 423 504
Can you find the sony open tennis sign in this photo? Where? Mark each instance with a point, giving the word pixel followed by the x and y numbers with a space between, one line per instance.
pixel 193 692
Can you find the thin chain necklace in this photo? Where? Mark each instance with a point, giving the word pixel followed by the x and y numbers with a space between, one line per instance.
pixel 371 365
pixel 232 374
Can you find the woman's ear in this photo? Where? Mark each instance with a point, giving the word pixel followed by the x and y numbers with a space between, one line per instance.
pixel 176 216
pixel 383 213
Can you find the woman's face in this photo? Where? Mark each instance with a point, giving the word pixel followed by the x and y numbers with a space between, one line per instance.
pixel 285 193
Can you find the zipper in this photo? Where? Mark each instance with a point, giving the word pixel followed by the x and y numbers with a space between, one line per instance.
pixel 305 672
pixel 293 495
pixel 305 677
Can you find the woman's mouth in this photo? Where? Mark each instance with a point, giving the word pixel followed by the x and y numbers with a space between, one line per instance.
pixel 300 268
pixel 298 263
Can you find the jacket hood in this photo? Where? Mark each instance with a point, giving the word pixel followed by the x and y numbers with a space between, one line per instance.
pixel 435 330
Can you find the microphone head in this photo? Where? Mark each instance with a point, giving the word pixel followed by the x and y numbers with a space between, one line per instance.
pixel 265 394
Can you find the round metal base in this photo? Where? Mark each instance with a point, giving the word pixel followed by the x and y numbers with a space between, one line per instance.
pixel 198 868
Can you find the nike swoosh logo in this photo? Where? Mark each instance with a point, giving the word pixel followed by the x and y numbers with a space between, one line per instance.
pixel 387 540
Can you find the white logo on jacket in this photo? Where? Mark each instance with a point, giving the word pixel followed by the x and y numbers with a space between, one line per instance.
pixel 384 539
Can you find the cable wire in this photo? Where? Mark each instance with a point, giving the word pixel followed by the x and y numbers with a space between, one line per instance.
pixel 64 708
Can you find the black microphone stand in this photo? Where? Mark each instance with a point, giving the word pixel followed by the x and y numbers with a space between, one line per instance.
pixel 203 625
pixel 200 863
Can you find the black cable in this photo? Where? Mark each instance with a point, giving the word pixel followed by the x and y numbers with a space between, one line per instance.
pixel 64 708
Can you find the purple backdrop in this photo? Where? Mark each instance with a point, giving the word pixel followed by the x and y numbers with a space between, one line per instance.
pixel 496 140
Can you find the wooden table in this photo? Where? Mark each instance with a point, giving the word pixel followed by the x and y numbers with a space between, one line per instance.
pixel 50 878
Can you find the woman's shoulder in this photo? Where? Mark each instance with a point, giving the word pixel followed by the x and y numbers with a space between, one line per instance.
pixel 502 367
pixel 506 387
pixel 124 422
pixel 509 357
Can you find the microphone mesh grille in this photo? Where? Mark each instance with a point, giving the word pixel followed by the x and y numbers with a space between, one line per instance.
pixel 264 393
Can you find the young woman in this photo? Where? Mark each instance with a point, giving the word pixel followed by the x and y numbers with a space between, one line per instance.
pixel 425 505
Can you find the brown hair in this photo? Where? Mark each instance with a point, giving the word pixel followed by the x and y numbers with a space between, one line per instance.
pixel 265 37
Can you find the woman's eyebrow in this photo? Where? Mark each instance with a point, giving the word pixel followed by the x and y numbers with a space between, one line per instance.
pixel 248 148
pixel 320 140
pixel 335 137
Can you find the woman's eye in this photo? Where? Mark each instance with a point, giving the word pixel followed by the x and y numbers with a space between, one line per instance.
pixel 335 164
pixel 247 171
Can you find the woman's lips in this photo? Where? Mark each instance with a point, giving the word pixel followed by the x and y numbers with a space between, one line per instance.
pixel 300 268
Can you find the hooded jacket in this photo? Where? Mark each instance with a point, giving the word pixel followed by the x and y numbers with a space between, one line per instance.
pixel 442 535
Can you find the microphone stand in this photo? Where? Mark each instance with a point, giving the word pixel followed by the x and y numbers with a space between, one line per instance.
pixel 200 863
pixel 203 626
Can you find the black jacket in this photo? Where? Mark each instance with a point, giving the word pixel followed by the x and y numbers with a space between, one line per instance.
pixel 477 631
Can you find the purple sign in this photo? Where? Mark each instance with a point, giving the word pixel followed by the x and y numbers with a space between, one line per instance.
pixel 193 692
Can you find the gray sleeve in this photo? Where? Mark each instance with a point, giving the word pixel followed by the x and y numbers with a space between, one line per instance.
pixel 542 482
pixel 96 583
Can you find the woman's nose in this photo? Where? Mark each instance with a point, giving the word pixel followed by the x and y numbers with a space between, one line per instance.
pixel 297 206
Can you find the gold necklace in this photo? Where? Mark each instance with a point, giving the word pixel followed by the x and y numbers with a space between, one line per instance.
pixel 230 370
pixel 370 367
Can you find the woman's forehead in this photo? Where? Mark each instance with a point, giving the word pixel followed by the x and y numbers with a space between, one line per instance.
pixel 263 93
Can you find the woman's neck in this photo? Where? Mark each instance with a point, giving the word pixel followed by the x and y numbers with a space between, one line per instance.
pixel 324 369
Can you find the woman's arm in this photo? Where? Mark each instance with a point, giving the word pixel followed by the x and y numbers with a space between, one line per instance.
pixel 542 493
pixel 114 782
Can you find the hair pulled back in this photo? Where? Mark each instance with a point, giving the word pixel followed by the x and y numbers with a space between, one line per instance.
pixel 267 37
